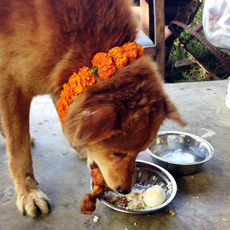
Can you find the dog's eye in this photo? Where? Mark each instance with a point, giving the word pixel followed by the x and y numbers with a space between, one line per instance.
pixel 119 154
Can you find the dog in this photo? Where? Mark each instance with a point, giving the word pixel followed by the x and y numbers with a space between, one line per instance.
pixel 42 42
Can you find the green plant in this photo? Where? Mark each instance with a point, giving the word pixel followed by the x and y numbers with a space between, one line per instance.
pixel 193 72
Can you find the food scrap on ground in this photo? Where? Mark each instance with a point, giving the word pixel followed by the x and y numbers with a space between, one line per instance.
pixel 172 212
pixel 95 219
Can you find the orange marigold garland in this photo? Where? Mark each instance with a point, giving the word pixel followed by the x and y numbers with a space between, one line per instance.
pixel 105 66
pixel 76 85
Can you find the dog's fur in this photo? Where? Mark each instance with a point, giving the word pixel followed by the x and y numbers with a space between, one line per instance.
pixel 42 42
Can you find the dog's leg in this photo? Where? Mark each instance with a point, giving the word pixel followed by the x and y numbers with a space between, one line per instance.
pixel 14 109
pixel 1 128
pixel 2 133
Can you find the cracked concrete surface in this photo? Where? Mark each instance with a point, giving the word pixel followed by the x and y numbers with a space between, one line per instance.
pixel 202 201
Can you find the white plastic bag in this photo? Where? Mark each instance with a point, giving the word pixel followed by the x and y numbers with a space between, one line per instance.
pixel 216 23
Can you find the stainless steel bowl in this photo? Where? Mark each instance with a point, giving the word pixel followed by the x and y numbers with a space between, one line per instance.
pixel 148 173
pixel 180 153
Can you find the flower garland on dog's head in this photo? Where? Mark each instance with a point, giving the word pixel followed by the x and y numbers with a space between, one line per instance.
pixel 104 65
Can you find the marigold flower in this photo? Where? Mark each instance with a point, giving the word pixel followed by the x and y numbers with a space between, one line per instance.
pixel 119 57
pixel 62 107
pixel 140 50
pixel 86 76
pixel 133 50
pixel 105 65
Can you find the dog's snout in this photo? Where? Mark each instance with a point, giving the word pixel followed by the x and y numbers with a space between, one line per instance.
pixel 124 191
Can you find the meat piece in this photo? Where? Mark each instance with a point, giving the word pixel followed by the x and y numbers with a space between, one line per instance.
pixel 88 204
pixel 136 194
pixel 97 191
pixel 139 206
pixel 97 177
pixel 121 201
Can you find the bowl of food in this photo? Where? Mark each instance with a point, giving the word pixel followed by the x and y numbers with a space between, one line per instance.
pixel 180 153
pixel 154 188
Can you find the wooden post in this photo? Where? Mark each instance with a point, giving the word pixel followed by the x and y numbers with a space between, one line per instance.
pixel 159 27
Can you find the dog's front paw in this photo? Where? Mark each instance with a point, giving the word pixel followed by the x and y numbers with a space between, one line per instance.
pixel 34 203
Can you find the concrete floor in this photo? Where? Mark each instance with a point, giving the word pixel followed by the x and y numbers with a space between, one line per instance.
pixel 65 178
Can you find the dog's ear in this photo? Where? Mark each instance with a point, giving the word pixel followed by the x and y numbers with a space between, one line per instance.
pixel 171 111
pixel 93 125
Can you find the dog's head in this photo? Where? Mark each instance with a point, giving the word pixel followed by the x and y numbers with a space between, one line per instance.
pixel 116 119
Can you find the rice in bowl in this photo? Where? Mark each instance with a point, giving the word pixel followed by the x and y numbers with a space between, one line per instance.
pixel 136 199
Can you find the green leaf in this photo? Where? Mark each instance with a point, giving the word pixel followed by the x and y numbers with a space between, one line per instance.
pixel 94 70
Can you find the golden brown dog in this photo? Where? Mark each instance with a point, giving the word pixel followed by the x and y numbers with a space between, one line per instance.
pixel 42 42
